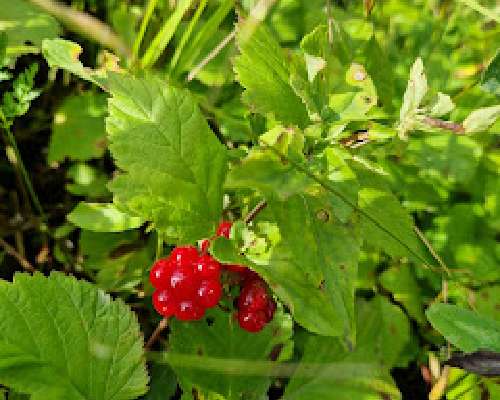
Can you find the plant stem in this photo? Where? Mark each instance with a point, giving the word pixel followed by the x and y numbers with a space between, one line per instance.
pixel 142 29
pixel 156 334
pixel 85 24
pixel 257 209
pixel 20 259
pixel 22 169
pixel 482 10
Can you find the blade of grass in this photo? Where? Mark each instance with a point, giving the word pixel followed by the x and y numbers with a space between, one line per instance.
pixel 163 37
pixel 482 10
pixel 142 29
pixel 187 34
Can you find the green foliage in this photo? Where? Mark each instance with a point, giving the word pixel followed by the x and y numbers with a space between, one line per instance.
pixel 63 338
pixel 465 329
pixel 100 217
pixel 78 128
pixel 26 24
pixel 173 164
pixel 16 103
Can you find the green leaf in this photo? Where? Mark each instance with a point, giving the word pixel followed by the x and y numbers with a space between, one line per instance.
pixel 480 120
pixel 173 165
pixel 330 371
pixel 465 329
pixel 490 80
pixel 380 68
pixel 78 128
pixel 26 24
pixel 64 54
pixel 402 283
pixel 64 339
pixel 264 72
pixel 442 105
pixel 99 217
pixel 198 349
pixel 416 89
pixel 163 383
pixel 389 227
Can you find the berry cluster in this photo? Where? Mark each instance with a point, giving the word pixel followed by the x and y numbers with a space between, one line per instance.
pixel 187 283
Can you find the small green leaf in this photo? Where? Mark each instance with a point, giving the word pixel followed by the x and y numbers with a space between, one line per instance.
pixel 442 105
pixel 480 120
pixel 64 339
pixel 99 217
pixel 490 81
pixel 465 329
pixel 78 128
pixel 173 165
pixel 264 72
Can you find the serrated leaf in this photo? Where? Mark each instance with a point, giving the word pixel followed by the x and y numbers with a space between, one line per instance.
pixel 465 329
pixel 101 217
pixel 218 341
pixel 26 24
pixel 490 80
pixel 78 128
pixel 263 71
pixel 480 120
pixel 330 371
pixel 64 339
pixel 173 165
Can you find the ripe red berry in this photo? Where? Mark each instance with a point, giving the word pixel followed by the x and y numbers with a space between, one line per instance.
pixel 270 310
pixel 209 293
pixel 252 321
pixel 164 302
pixel 207 267
pixel 253 296
pixel 184 255
pixel 188 310
pixel 159 275
pixel 240 269
pixel 183 282
pixel 224 229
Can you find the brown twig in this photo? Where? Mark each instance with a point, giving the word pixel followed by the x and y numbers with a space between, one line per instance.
pixel 448 125
pixel 156 334
pixel 20 259
pixel 257 209
pixel 431 250
pixel 86 25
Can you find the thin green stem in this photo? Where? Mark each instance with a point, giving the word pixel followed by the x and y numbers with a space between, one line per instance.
pixel 20 165
pixel 159 246
pixel 482 10
pixel 142 29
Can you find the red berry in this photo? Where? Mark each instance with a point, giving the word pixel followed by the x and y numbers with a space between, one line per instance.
pixel 164 302
pixel 188 310
pixel 205 244
pixel 159 275
pixel 184 255
pixel 253 296
pixel 207 267
pixel 252 321
pixel 183 282
pixel 240 269
pixel 224 229
pixel 209 293
pixel 270 310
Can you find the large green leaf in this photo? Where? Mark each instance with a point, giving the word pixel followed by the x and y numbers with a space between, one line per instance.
pixel 26 24
pixel 465 329
pixel 78 128
pixel 263 71
pixel 173 165
pixel 219 340
pixel 329 371
pixel 64 339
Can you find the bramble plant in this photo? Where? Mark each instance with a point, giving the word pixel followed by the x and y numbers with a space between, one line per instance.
pixel 223 200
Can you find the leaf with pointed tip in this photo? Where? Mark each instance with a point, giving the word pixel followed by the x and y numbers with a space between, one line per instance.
pixel 480 120
pixel 101 217
pixel 65 339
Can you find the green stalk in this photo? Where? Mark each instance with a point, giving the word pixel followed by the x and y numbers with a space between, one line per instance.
pixel 482 10
pixel 163 37
pixel 142 29
pixel 187 33
pixel 20 165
